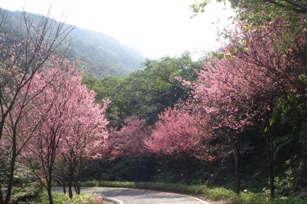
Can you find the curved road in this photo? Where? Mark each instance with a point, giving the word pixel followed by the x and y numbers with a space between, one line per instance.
pixel 138 196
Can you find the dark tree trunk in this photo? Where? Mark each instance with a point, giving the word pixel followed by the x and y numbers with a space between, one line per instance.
pixel 12 169
pixel 77 177
pixel 270 160
pixel 1 195
pixel 186 170
pixel 70 194
pixel 164 166
pixel 64 187
pixel 77 188
pixel 137 171
pixel 70 179
pixel 236 154
pixel 49 192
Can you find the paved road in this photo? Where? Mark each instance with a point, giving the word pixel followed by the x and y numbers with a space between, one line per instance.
pixel 137 196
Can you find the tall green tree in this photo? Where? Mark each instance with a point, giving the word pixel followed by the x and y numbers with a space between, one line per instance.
pixel 146 93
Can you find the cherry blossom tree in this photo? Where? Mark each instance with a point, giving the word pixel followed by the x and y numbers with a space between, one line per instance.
pixel 275 58
pixel 23 53
pixel 241 84
pixel 72 126
pixel 55 100
pixel 180 131
pixel 129 140
pixel 87 134
pixel 226 97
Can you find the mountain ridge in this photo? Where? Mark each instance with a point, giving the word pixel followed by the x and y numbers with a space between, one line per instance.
pixel 98 53
pixel 103 53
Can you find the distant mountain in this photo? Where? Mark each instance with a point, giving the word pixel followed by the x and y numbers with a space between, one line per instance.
pixel 99 53
pixel 103 54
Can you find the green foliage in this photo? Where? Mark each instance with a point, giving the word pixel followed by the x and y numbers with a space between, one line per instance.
pixel 25 186
pixel 288 123
pixel 291 13
pixel 95 183
pixel 287 200
pixel 255 7
pixel 124 184
pixel 60 198
pixel 145 93
pixel 30 191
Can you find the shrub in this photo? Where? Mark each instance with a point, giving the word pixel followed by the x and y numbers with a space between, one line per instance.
pixel 123 184
pixel 61 198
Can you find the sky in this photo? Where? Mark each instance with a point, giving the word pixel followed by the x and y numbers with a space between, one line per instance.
pixel 156 28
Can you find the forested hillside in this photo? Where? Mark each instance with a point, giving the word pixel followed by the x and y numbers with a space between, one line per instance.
pixel 102 55
pixel 98 53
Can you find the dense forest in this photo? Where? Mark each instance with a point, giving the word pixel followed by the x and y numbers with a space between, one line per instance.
pixel 234 119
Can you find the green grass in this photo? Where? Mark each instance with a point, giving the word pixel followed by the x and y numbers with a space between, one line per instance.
pixel 217 193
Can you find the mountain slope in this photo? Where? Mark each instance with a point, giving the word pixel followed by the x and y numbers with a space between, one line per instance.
pixel 99 54
pixel 103 55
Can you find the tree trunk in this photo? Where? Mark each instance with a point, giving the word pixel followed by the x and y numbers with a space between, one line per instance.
pixel 64 187
pixel 1 132
pixel 49 192
pixel 12 170
pixel 137 172
pixel 77 188
pixel 164 166
pixel 77 177
pixel 186 171
pixel 10 182
pixel 236 154
pixel 70 180
pixel 270 151
pixel 1 195
pixel 70 188
pixel 77 183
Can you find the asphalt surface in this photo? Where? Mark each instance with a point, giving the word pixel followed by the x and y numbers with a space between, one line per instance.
pixel 138 196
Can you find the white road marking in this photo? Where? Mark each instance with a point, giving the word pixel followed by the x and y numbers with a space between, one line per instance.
pixel 116 200
pixel 201 200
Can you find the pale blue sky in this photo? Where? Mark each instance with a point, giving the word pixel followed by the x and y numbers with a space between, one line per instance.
pixel 155 27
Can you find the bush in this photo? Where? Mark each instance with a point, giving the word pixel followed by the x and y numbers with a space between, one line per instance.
pixel 60 198
pixel 23 194
pixel 91 183
pixel 122 184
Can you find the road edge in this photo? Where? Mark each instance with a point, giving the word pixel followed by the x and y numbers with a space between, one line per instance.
pixel 114 200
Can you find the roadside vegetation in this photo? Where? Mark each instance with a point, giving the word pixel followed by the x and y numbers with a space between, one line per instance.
pixel 60 198
pixel 203 191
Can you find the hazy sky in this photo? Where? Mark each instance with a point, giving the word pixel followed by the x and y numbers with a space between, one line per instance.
pixel 155 27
